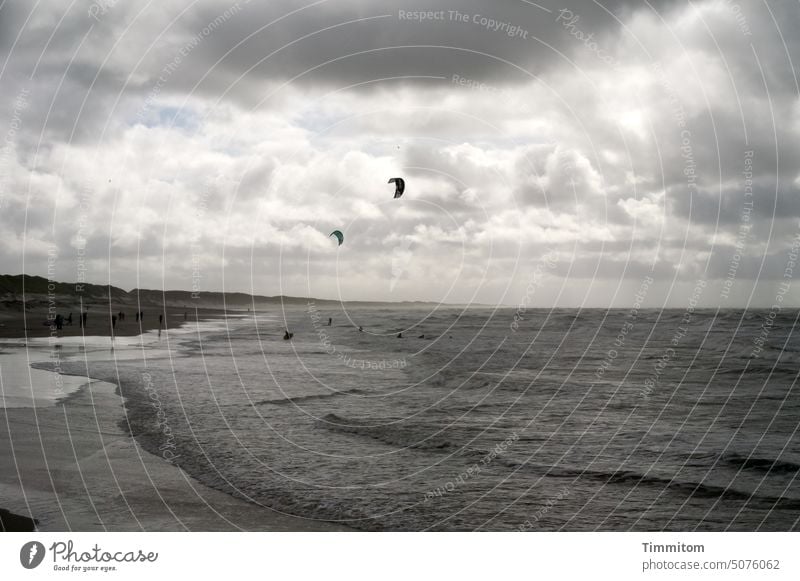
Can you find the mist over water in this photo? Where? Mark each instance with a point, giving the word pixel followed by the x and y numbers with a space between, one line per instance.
pixel 570 420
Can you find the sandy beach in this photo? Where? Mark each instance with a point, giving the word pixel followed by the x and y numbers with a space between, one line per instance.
pixel 15 324
pixel 72 466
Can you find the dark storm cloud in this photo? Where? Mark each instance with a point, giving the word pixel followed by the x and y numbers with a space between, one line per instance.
pixel 373 40
pixel 727 207
pixel 302 36
pixel 83 63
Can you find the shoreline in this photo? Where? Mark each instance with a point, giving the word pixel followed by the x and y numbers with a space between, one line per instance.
pixel 76 466
pixel 99 324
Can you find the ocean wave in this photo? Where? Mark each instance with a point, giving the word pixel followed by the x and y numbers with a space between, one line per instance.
pixel 764 465
pixel 300 398
pixel 271 472
pixel 630 478
pixel 392 434
pixel 765 370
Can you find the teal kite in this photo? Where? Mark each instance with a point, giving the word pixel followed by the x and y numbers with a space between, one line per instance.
pixel 339 236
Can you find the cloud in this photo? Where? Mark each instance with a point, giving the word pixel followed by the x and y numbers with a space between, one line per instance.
pixel 234 137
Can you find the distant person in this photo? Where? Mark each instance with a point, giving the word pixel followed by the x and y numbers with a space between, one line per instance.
pixel 399 335
pixel 141 316
pixel 360 329
pixel 69 320
pixel 137 316
pixel 59 322
pixel 160 320
pixel 330 321
pixel 287 335
pixel 85 316
pixel 113 322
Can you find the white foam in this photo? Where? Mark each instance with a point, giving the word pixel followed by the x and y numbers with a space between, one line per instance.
pixel 23 386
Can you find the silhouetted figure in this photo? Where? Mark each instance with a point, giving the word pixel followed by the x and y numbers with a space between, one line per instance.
pixel 330 321
pixel 360 329
pixel 287 335
pixel 85 316
pixel 160 320
pixel 113 322
pixel 137 316
pixel 141 315
pixel 69 320
pixel 59 322
pixel 399 335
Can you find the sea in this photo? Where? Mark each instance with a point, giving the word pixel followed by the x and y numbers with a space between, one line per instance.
pixel 432 418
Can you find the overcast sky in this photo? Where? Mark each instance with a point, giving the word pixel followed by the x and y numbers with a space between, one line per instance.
pixel 555 153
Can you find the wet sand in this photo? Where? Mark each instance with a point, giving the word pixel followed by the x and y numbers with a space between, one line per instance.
pixel 13 324
pixel 71 466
